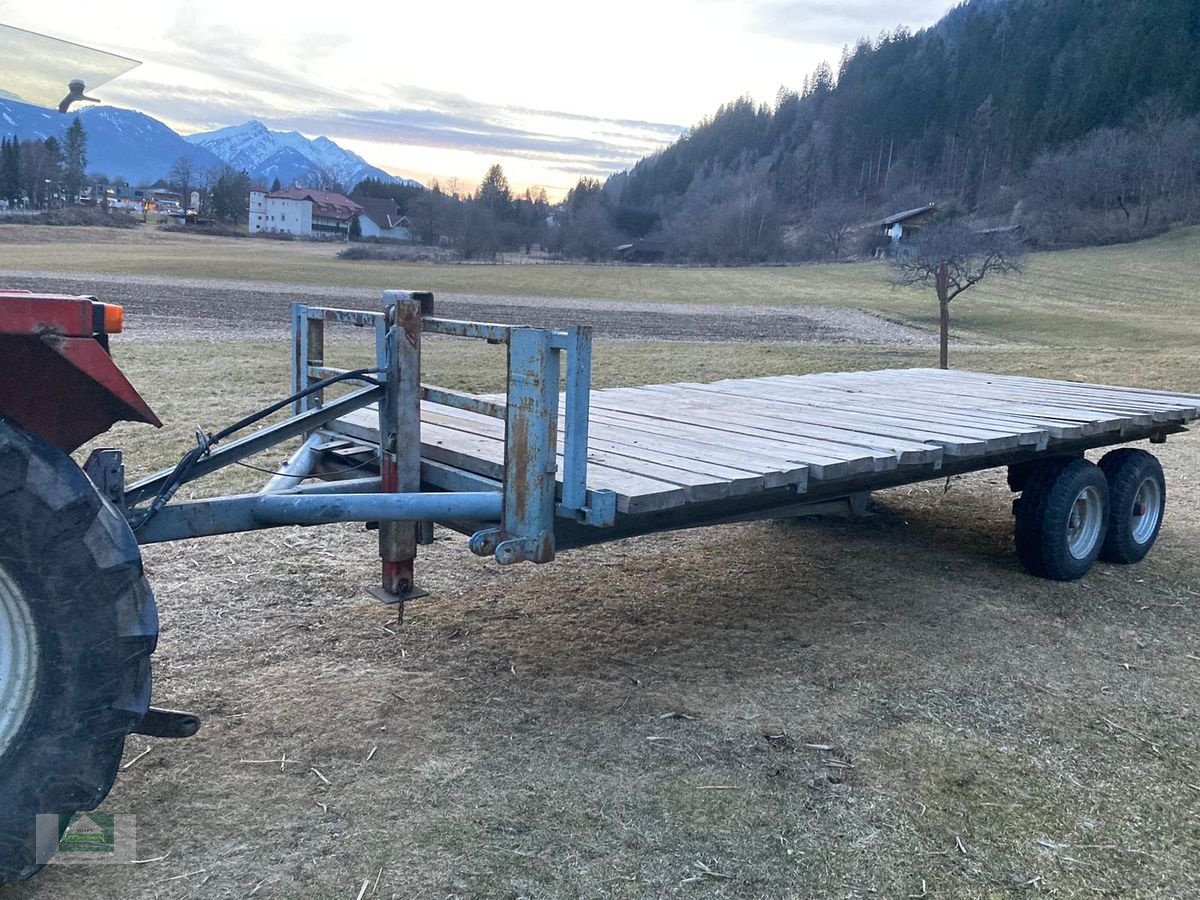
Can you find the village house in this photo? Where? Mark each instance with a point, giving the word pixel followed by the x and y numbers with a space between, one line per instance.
pixel 301 211
pixel 381 218
pixel 143 199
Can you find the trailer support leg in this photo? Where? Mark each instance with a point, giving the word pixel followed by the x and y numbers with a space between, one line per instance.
pixel 400 451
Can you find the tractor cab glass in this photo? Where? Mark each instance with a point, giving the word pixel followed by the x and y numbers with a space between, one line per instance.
pixel 40 70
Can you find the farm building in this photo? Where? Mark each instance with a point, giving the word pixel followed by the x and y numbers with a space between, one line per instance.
pixel 381 218
pixel 902 227
pixel 301 211
pixel 642 250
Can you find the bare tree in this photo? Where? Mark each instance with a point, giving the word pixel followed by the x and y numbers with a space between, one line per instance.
pixel 183 178
pixel 831 224
pixel 320 179
pixel 954 258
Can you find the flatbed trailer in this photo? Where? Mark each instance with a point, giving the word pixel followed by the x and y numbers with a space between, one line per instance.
pixel 568 466
pixel 548 465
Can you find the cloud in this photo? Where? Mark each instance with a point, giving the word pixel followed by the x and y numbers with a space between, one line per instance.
pixel 246 86
pixel 835 22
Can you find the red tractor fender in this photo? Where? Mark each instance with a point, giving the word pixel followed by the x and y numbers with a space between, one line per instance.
pixel 57 379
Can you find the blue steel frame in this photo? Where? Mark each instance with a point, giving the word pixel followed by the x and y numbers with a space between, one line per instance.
pixel 516 515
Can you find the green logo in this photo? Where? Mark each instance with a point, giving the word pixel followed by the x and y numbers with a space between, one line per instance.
pixel 90 833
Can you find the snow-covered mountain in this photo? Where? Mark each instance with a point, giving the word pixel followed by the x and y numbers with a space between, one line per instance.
pixel 120 142
pixel 130 145
pixel 287 155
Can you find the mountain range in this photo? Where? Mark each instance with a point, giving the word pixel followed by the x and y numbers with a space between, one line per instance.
pixel 122 143
pixel 288 156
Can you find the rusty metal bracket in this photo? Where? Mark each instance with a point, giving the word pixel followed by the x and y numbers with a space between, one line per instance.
pixel 484 543
pixel 106 469
pixel 528 549
pixel 600 511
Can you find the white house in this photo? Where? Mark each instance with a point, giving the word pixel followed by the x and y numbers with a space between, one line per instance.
pixel 381 219
pixel 301 211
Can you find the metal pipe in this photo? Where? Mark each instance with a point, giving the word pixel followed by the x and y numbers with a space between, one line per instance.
pixel 323 509
pixel 369 485
pixel 250 512
pixel 299 466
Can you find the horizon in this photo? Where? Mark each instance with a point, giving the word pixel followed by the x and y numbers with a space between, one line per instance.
pixel 510 98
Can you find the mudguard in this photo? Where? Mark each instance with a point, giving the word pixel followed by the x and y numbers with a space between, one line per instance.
pixel 57 379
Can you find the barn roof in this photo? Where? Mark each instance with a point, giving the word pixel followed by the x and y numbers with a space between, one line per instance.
pixel 383 212
pixel 326 204
pixel 902 217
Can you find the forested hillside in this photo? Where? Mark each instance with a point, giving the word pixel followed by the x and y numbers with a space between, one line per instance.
pixel 1075 117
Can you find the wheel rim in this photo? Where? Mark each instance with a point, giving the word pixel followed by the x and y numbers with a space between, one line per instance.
pixel 18 660
pixel 1147 510
pixel 1083 525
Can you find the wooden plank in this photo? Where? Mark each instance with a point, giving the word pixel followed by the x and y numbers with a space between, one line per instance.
pixel 1040 393
pixel 733 481
pixel 711 459
pixel 975 423
pixel 700 486
pixel 820 463
pixel 825 460
pixel 1086 424
pixel 1183 405
pixel 485 456
pixel 866 429
pixel 927 427
pixel 950 408
pixel 775 472
pixel 1032 395
pixel 744 472
pixel 652 405
pixel 1169 398
pixel 1101 420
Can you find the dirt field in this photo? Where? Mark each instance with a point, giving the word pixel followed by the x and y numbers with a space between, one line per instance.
pixel 888 708
pixel 165 308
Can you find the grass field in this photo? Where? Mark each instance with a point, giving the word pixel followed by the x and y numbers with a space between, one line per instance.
pixel 1140 290
pixel 644 719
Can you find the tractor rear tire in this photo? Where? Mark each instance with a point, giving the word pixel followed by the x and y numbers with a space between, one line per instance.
pixel 78 624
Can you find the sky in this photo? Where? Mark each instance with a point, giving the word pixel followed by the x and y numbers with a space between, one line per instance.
pixel 551 89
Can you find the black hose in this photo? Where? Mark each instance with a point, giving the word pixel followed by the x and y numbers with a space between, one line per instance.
pixel 205 442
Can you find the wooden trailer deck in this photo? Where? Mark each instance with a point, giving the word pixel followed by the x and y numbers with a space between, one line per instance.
pixel 662 447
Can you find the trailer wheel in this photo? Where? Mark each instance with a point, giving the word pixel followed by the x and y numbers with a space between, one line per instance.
pixel 77 627
pixel 1062 518
pixel 1137 495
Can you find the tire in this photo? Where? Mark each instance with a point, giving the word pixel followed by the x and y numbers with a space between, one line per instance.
pixel 1135 482
pixel 1062 520
pixel 79 623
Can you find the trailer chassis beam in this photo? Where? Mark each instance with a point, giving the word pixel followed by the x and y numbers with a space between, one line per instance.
pixel 250 512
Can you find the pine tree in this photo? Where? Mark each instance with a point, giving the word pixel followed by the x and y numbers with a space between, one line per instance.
pixel 74 160
pixel 495 194
pixel 10 170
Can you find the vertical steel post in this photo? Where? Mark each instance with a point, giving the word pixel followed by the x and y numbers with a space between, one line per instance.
pixel 400 468
pixel 530 448
pixel 575 427
pixel 299 354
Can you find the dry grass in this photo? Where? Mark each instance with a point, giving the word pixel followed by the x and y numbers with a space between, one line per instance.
pixel 635 720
